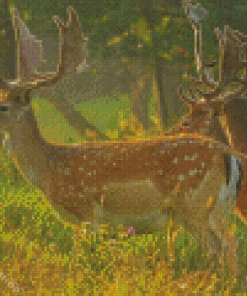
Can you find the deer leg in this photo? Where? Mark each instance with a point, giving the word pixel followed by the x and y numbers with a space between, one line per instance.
pixel 219 221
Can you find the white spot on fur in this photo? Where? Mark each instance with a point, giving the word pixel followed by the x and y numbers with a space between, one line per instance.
pixel 192 172
pixel 181 177
pixel 67 172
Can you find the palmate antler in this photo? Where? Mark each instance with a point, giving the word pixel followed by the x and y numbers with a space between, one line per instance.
pixel 231 45
pixel 72 51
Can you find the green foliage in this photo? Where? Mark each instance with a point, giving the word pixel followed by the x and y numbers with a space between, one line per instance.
pixel 140 29
pixel 143 28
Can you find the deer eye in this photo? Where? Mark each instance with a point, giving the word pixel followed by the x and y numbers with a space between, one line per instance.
pixel 185 124
pixel 216 113
pixel 3 108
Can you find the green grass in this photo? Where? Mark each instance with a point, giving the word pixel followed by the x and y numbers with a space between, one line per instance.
pixel 103 114
pixel 36 248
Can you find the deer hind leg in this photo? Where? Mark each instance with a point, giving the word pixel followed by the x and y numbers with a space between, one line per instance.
pixel 219 224
pixel 210 241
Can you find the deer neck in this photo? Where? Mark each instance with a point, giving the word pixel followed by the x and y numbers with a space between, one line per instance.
pixel 28 149
pixel 235 121
pixel 219 132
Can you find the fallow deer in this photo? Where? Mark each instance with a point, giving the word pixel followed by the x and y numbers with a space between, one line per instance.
pixel 137 184
pixel 219 113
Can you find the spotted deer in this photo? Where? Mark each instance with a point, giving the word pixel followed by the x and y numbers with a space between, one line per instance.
pixel 136 184
pixel 219 113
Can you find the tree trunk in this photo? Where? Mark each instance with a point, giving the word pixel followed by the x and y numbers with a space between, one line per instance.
pixel 169 76
pixel 140 100
pixel 76 120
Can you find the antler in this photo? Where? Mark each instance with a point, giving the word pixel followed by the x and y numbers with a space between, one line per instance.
pixel 231 44
pixel 72 51
pixel 29 50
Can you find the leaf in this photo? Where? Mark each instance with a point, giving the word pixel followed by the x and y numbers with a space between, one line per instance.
pixel 26 15
pixel 166 56
pixel 114 40
pixel 141 30
pixel 11 5
pixel 162 27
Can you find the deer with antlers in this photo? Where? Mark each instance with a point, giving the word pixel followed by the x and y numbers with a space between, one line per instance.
pixel 218 113
pixel 137 184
